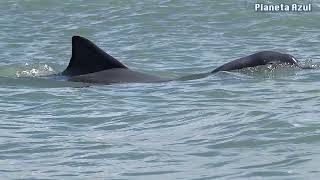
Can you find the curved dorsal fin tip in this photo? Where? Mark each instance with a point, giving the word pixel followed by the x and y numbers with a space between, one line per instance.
pixel 77 38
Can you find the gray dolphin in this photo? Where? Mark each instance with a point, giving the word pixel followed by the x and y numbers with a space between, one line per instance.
pixel 90 64
pixel 258 59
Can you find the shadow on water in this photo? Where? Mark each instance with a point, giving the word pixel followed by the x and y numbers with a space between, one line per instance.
pixel 271 71
pixel 34 75
pixel 38 82
pixel 275 71
pixel 43 75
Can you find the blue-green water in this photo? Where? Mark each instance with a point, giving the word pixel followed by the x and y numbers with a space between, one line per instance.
pixel 260 123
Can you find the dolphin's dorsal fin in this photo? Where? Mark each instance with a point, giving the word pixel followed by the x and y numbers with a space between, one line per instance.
pixel 88 58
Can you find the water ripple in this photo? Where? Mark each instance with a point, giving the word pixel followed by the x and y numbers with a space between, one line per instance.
pixel 258 123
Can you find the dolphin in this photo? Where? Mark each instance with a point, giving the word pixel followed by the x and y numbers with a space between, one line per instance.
pixel 258 59
pixel 90 64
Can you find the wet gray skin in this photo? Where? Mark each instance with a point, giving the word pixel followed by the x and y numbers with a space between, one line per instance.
pixel 90 64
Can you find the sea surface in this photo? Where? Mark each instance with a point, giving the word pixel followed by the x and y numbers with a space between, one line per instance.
pixel 256 123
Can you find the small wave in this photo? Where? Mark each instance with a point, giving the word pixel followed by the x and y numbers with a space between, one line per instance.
pixel 33 75
pixel 35 70
pixel 26 70
pixel 309 64
pixel 278 70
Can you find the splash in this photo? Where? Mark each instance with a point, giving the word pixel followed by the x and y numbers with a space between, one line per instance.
pixel 35 70
pixel 309 64
pixel 270 71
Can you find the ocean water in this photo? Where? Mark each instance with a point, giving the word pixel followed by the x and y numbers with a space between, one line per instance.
pixel 257 123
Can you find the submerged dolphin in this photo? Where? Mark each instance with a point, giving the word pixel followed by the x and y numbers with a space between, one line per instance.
pixel 90 64
pixel 257 59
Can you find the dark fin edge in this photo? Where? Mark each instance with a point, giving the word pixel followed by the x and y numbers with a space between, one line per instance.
pixel 89 58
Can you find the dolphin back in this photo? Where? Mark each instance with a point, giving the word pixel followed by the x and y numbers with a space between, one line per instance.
pixel 91 64
pixel 257 59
